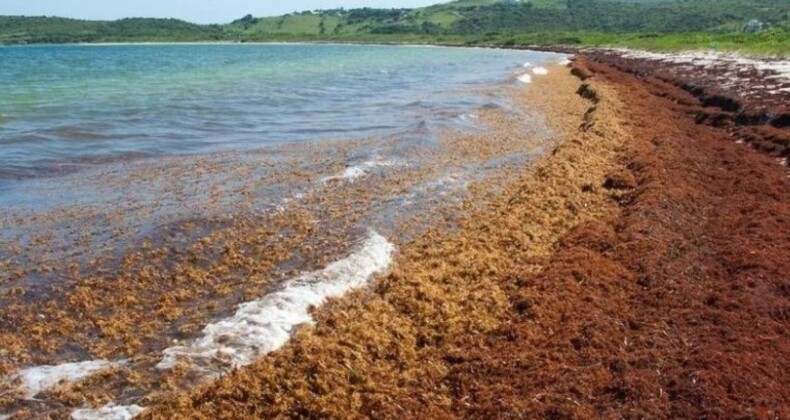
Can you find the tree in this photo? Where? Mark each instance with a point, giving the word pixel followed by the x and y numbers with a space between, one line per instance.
pixel 246 21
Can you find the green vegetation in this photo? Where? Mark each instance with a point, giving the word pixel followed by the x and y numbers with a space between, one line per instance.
pixel 49 30
pixel 770 42
pixel 757 26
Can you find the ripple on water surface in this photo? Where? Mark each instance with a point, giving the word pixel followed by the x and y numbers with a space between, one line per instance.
pixel 101 101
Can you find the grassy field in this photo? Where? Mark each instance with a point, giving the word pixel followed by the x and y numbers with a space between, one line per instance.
pixel 774 43
pixel 767 43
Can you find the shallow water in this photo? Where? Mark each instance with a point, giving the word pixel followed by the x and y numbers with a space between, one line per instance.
pixel 101 145
pixel 65 107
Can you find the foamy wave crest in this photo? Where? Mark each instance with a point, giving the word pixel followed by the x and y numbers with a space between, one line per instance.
pixel 108 412
pixel 265 325
pixel 525 78
pixel 541 71
pixel 467 117
pixel 41 378
pixel 358 171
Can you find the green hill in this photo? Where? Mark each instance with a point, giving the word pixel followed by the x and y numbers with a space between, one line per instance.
pixel 650 23
pixel 54 30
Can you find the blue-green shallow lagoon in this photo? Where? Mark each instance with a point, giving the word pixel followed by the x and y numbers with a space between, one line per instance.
pixel 64 107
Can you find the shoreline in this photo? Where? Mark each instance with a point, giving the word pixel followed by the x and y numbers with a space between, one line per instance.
pixel 559 48
pixel 122 313
pixel 664 308
pixel 175 43
pixel 636 270
pixel 659 300
pixel 445 286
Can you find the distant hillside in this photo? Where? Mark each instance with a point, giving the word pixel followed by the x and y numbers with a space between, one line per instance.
pixel 470 17
pixel 53 30
pixel 465 21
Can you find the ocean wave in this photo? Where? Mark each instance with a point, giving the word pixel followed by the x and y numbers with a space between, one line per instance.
pixel 354 172
pixel 37 379
pixel 525 78
pixel 108 412
pixel 540 71
pixel 257 328
pixel 265 325
pixel 467 118
pixel 444 185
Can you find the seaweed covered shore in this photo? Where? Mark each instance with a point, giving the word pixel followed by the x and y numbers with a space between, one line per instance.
pixel 389 350
pixel 674 305
pixel 637 269
pixel 277 230
pixel 640 270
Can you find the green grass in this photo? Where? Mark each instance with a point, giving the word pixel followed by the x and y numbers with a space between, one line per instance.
pixel 464 3
pixel 768 43
pixel 443 18
pixel 776 43
pixel 550 4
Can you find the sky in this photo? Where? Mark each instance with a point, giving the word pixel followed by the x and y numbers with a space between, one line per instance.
pixel 199 11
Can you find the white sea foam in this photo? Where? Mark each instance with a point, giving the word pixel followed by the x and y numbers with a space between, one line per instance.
pixel 265 325
pixel 564 61
pixel 525 78
pixel 541 71
pixel 467 118
pixel 448 184
pixel 108 412
pixel 41 378
pixel 527 65
pixel 351 173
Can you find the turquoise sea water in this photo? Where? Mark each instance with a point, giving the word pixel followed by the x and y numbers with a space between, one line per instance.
pixel 63 107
